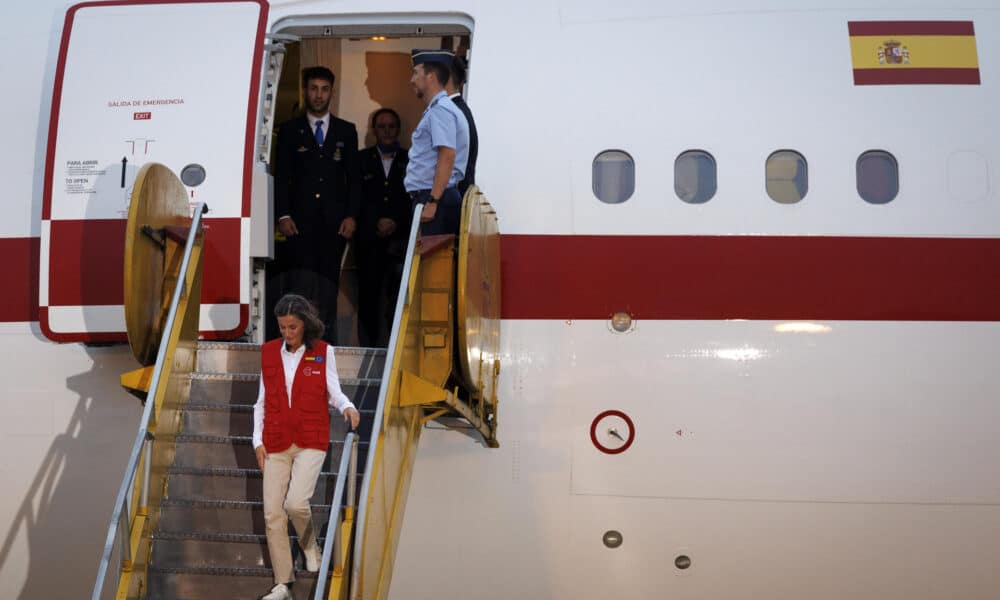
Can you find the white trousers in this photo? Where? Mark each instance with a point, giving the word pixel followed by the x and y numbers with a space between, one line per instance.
pixel 289 482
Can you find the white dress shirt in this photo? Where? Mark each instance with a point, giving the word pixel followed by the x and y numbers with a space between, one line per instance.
pixel 387 162
pixel 326 124
pixel 290 360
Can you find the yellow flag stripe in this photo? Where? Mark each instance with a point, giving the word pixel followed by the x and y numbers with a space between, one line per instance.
pixel 924 51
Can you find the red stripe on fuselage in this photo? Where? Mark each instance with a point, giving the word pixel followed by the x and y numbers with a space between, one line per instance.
pixel 694 277
pixel 891 28
pixel 86 262
pixel 889 76
pixel 19 277
pixel 742 277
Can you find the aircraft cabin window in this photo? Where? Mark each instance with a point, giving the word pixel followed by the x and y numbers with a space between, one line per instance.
pixel 695 179
pixel 613 176
pixel 787 176
pixel 878 177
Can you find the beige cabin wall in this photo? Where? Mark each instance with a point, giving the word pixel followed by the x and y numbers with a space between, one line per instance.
pixel 323 52
pixel 376 74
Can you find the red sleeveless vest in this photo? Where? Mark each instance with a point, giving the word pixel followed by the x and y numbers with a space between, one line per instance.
pixel 307 422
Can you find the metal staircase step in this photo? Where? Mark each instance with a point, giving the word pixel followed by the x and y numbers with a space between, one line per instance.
pixel 220 516
pixel 237 451
pixel 237 419
pixel 177 551
pixel 241 389
pixel 214 451
pixel 224 389
pixel 226 357
pixel 221 583
pixel 219 483
pixel 243 538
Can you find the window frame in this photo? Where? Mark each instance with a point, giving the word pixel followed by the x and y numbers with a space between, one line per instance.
pixel 767 180
pixel 715 175
pixel 857 174
pixel 593 178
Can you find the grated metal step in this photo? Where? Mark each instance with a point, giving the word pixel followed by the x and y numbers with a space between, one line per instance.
pixel 236 451
pixel 220 516
pixel 237 420
pixel 221 583
pixel 240 389
pixel 222 357
pixel 221 483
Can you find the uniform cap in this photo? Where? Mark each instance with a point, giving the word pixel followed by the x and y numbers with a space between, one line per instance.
pixel 432 56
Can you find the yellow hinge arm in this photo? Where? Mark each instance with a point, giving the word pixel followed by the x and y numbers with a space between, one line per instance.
pixel 137 382
pixel 416 391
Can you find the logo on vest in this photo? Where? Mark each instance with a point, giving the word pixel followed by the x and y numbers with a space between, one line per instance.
pixel 307 371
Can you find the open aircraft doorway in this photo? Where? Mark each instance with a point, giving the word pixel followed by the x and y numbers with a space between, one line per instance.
pixel 370 58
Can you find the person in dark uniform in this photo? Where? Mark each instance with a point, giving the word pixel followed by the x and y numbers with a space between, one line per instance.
pixel 459 74
pixel 317 196
pixel 383 229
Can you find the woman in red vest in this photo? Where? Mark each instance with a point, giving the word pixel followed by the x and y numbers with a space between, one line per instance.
pixel 291 431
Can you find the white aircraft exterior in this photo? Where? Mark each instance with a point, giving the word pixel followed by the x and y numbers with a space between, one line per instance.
pixel 806 390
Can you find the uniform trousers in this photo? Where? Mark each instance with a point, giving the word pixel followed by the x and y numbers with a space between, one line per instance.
pixel 313 271
pixel 380 266
pixel 289 482
pixel 449 211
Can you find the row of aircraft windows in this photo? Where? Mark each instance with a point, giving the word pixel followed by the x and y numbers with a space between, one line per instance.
pixel 786 176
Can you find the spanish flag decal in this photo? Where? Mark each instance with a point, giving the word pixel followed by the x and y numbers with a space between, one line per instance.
pixel 913 52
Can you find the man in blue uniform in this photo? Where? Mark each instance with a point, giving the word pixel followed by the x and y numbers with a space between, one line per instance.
pixel 439 151
pixel 383 229
pixel 317 196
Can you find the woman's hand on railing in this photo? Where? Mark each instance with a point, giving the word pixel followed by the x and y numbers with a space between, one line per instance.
pixel 352 416
pixel 261 456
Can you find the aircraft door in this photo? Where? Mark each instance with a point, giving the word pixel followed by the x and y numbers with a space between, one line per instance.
pixel 148 81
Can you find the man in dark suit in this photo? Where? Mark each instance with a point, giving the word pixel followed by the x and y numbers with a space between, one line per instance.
pixel 459 72
pixel 317 196
pixel 383 229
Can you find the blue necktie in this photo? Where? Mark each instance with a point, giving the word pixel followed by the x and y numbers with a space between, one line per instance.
pixel 319 133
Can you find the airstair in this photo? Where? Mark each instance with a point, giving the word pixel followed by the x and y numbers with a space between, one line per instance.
pixel 188 522
pixel 210 539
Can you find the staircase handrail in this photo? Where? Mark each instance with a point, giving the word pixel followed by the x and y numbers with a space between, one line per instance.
pixel 390 358
pixel 125 492
pixel 348 458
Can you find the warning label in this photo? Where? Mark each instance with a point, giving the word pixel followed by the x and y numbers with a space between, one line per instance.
pixel 81 176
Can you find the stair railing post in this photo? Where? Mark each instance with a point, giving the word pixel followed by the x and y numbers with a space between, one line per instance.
pixel 352 475
pixel 146 470
pixel 125 539
pixel 335 523
pixel 352 489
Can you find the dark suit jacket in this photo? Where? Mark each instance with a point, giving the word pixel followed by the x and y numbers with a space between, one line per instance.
pixel 317 187
pixel 470 169
pixel 383 197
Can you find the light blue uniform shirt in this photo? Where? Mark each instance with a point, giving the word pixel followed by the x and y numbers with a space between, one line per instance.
pixel 442 124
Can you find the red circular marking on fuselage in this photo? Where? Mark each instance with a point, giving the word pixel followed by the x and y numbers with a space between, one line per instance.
pixel 628 440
